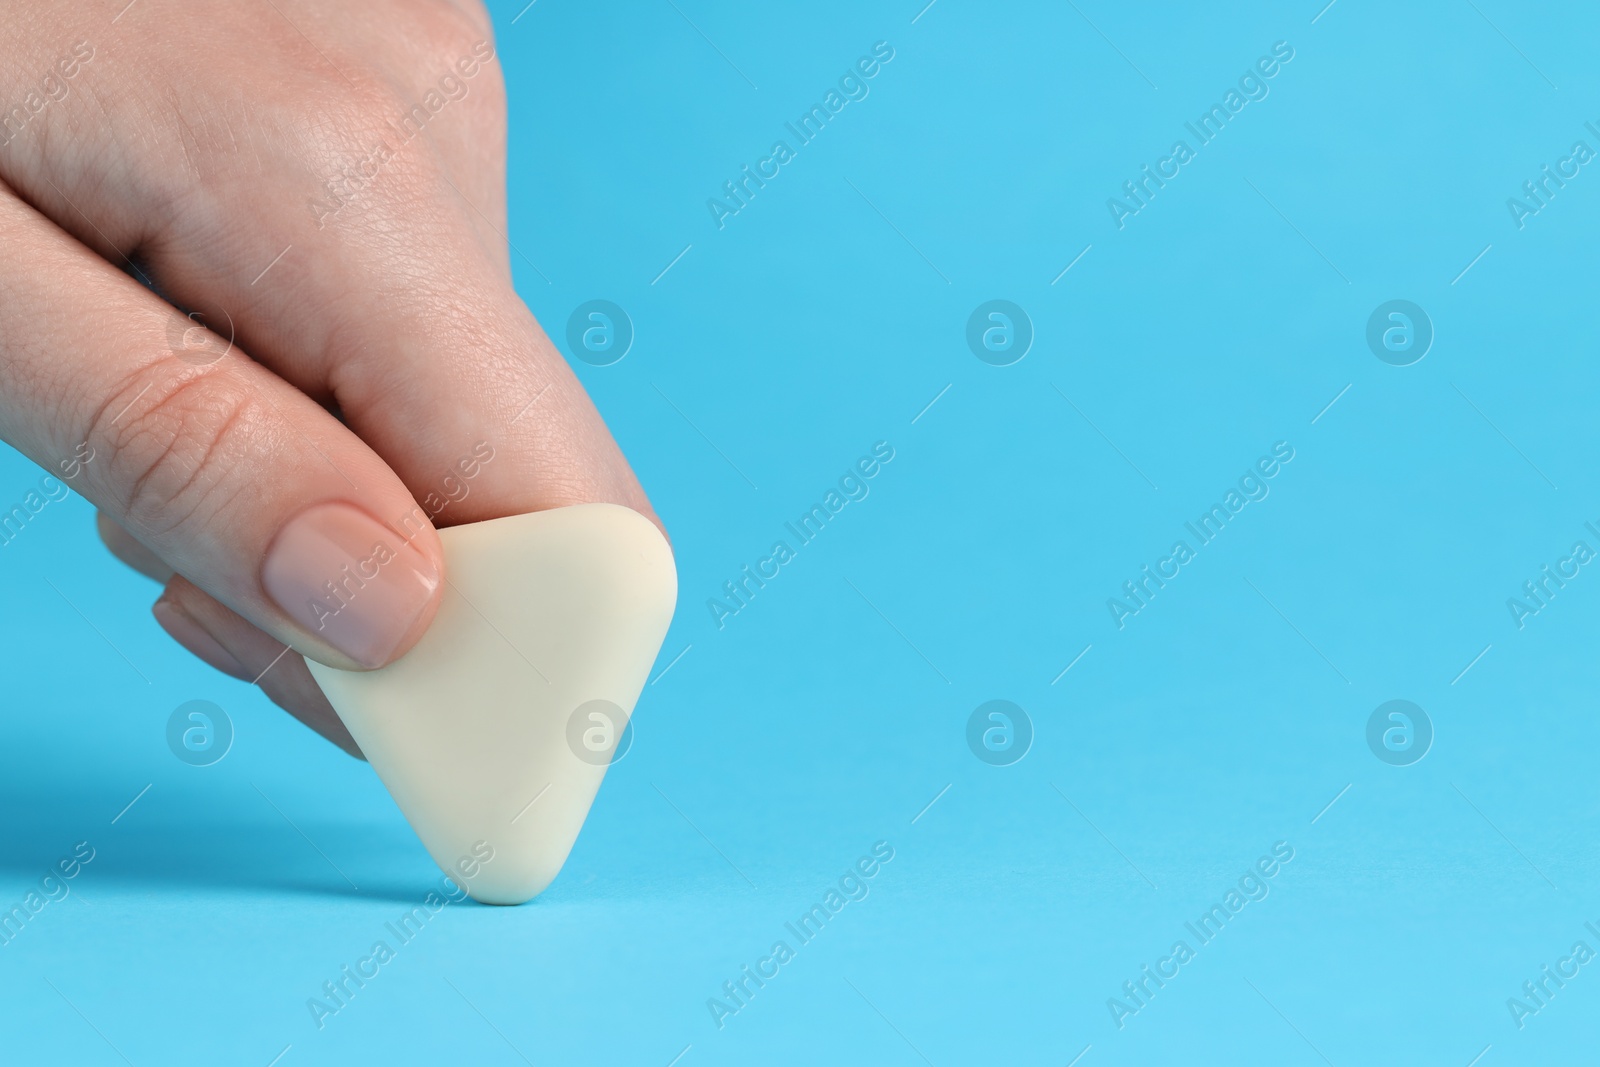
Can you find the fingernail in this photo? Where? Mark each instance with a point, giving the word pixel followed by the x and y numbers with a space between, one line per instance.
pixel 350 580
pixel 182 628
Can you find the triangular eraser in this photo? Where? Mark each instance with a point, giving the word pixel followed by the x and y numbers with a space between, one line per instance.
pixel 494 731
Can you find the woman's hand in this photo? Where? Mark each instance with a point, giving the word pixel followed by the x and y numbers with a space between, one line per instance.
pixel 321 187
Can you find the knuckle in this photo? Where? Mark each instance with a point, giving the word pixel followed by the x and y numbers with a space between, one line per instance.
pixel 451 23
pixel 389 142
pixel 172 440
pixel 462 25
pixel 475 15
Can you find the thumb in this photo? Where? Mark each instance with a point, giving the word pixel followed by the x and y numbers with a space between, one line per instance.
pixel 234 478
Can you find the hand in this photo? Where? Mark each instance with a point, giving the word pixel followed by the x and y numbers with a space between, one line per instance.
pixel 321 187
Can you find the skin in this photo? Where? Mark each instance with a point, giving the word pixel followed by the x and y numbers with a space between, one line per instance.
pixel 191 150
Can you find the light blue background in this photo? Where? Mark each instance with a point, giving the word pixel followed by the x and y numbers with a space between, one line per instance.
pixel 824 318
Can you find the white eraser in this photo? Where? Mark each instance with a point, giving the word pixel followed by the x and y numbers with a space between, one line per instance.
pixel 493 733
